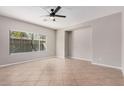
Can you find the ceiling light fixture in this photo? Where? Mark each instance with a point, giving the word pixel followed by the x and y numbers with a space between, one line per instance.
pixel 51 17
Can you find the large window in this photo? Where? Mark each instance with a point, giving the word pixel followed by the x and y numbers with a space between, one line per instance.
pixel 42 42
pixel 26 42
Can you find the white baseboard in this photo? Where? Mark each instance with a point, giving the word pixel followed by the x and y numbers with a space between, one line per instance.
pixel 107 66
pixel 99 63
pixel 62 58
pixel 81 59
pixel 5 65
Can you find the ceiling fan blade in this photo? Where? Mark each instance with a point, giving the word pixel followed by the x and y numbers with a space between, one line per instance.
pixel 45 10
pixel 60 16
pixel 45 16
pixel 57 9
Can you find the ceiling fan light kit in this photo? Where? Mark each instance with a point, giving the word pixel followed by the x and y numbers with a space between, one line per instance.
pixel 51 17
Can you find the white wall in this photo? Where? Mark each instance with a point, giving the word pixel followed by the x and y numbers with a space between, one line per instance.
pixel 60 44
pixel 81 44
pixel 106 40
pixel 122 42
pixel 7 24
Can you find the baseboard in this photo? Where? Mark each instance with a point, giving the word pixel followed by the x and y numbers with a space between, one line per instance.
pixel 107 66
pixel 84 59
pixel 25 61
pixel 62 58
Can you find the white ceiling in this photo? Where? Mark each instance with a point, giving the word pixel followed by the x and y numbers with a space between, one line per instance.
pixel 75 14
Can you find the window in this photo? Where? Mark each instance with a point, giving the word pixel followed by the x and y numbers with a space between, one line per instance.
pixel 36 42
pixel 42 42
pixel 26 42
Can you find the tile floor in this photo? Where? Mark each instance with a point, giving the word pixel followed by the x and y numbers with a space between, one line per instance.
pixel 59 72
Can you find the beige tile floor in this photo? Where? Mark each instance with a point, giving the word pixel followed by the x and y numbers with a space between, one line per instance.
pixel 59 72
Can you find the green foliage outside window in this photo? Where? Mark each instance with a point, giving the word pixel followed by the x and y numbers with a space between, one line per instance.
pixel 26 42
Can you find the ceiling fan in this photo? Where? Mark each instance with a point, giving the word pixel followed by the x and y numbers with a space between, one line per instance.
pixel 53 14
